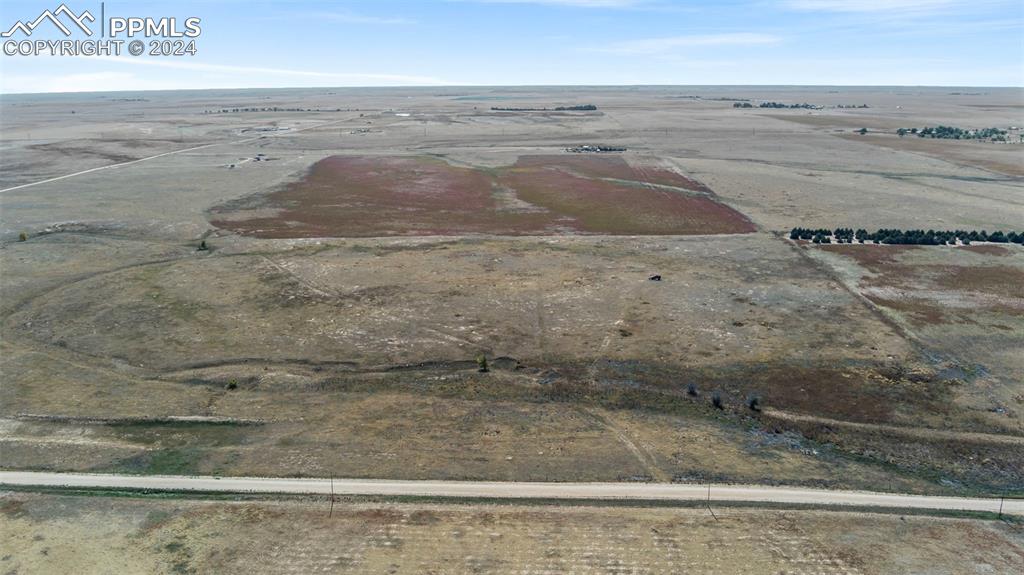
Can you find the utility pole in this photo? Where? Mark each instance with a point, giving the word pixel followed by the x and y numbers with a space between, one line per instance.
pixel 331 512
pixel 708 502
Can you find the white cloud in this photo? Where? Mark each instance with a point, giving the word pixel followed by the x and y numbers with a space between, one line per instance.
pixel 192 75
pixel 884 6
pixel 660 45
pixel 352 18
pixel 78 82
pixel 573 3
pixel 394 79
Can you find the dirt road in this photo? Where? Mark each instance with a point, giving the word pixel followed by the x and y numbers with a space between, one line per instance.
pixel 912 432
pixel 650 491
pixel 171 153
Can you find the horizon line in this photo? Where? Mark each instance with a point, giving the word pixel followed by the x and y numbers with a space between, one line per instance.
pixel 437 86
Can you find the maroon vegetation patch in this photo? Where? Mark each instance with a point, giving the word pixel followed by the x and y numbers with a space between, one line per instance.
pixel 611 167
pixel 873 257
pixel 365 196
pixel 987 249
pixel 922 291
pixel 620 207
pixel 1005 281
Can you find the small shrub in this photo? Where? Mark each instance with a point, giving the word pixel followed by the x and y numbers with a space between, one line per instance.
pixel 481 362
pixel 22 237
pixel 202 246
pixel 232 385
pixel 754 403
pixel 716 400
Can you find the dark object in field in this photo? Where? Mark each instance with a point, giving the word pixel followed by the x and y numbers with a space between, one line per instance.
pixel 22 237
pixel 202 246
pixel 754 403
pixel 587 148
pixel 691 389
pixel 232 385
pixel 481 362
pixel 716 400
pixel 655 278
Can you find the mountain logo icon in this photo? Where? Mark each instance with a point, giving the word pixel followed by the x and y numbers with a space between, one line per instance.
pixel 54 17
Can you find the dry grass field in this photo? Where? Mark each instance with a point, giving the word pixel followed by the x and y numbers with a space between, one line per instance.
pixel 99 535
pixel 360 260
pixel 1000 158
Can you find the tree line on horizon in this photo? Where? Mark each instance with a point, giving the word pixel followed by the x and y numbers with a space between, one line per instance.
pixel 906 237
pixel 778 105
pixel 954 133
pixel 580 108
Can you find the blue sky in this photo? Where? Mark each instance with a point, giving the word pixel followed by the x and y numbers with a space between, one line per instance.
pixel 533 42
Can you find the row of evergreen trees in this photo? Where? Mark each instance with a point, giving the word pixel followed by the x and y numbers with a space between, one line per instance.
pixel 897 236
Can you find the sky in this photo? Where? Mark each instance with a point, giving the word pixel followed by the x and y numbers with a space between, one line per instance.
pixel 269 44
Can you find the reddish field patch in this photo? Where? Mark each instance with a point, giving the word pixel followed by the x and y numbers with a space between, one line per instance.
pixel 378 196
pixel 923 291
pixel 919 311
pixel 603 206
pixel 365 196
pixel 613 167
pixel 996 280
pixel 987 249
pixel 873 257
